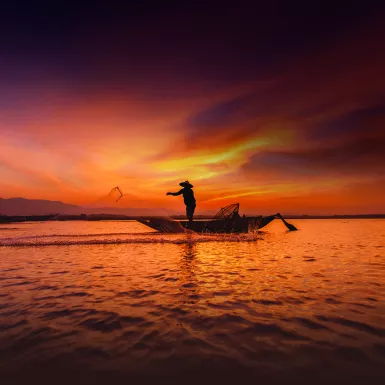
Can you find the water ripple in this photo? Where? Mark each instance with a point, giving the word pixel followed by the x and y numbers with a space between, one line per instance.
pixel 289 306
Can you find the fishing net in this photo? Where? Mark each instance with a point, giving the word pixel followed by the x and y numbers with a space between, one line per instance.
pixel 227 212
pixel 116 193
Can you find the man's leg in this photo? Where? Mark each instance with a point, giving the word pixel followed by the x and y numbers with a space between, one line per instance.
pixel 190 212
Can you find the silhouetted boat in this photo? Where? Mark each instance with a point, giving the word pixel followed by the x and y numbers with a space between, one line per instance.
pixel 227 220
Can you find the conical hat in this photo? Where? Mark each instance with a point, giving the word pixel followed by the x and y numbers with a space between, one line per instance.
pixel 186 184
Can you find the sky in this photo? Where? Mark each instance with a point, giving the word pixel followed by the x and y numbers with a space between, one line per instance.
pixel 278 105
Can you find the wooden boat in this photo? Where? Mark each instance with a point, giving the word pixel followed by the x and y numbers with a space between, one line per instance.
pixel 227 220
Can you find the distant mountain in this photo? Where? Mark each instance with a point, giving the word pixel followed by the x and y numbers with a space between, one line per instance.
pixel 23 206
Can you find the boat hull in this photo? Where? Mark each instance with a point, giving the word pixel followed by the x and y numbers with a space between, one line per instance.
pixel 217 226
pixel 233 225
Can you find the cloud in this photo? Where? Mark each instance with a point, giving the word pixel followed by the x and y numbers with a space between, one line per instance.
pixel 308 126
pixel 222 114
pixel 361 122
pixel 357 157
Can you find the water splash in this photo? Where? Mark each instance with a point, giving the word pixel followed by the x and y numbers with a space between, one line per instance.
pixel 57 240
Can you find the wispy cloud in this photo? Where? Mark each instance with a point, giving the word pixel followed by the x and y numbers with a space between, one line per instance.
pixel 307 133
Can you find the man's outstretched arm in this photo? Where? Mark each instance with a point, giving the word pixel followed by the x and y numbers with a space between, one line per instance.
pixel 175 194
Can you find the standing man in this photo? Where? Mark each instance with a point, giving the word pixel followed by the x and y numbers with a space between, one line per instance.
pixel 188 196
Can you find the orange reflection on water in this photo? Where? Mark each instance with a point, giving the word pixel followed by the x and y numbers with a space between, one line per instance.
pixel 157 296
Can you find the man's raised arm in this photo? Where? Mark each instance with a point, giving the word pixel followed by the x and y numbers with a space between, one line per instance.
pixel 175 194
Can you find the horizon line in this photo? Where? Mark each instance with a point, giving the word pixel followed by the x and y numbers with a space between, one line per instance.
pixel 176 213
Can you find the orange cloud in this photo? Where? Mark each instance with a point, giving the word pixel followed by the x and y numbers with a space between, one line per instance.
pixel 306 138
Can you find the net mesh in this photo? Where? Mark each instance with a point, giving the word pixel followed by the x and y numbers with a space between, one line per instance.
pixel 227 212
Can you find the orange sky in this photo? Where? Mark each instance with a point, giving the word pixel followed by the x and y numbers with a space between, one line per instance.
pixel 307 138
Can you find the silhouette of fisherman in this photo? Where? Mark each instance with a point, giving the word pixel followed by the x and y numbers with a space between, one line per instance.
pixel 188 196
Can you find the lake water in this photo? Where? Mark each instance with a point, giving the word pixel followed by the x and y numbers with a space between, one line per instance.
pixel 97 302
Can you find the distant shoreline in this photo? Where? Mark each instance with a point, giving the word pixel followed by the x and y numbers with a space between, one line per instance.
pixel 337 216
pixel 117 217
